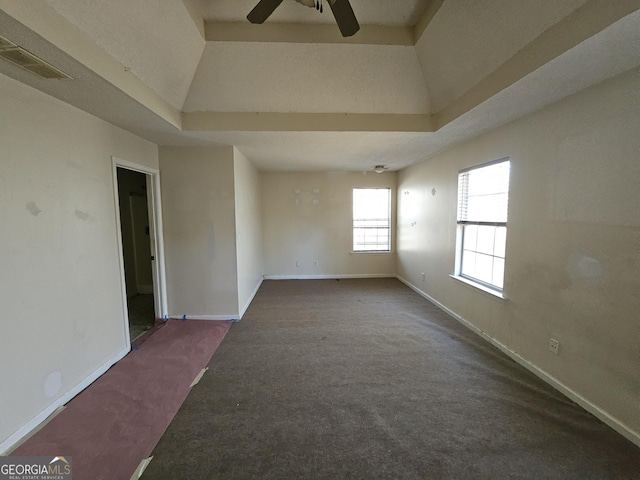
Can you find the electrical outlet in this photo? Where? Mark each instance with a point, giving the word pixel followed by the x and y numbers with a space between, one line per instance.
pixel 554 345
pixel 422 275
pixel 315 263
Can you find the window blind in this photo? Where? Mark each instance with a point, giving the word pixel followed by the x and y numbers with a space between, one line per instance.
pixel 483 194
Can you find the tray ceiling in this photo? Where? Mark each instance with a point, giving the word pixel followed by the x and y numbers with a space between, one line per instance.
pixel 419 76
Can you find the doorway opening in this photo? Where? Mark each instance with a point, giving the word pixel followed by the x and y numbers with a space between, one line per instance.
pixel 138 217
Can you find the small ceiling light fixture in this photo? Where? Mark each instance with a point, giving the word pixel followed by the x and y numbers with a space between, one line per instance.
pixel 379 168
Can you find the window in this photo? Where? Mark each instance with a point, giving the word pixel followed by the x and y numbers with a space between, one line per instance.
pixel 371 220
pixel 483 195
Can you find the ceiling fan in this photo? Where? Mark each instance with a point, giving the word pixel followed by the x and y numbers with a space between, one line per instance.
pixel 342 11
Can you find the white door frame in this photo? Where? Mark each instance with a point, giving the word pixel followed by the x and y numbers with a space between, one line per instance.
pixel 156 238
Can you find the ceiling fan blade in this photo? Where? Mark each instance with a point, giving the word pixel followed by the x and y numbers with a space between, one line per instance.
pixel 345 18
pixel 262 10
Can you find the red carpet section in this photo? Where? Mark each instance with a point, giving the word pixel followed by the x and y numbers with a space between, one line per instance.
pixel 116 422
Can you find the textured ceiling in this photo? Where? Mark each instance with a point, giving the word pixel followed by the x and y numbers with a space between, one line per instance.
pixel 468 40
pixel 327 151
pixel 155 40
pixel 315 104
pixel 281 77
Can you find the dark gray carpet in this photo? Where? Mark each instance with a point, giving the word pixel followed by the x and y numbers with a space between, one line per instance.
pixel 364 379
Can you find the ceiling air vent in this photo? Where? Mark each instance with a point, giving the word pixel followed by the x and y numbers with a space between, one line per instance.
pixel 4 43
pixel 20 57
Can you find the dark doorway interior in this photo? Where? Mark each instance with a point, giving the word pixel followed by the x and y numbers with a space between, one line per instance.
pixel 136 248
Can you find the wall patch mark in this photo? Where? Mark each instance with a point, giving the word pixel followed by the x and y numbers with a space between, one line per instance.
pixel 82 215
pixel 33 209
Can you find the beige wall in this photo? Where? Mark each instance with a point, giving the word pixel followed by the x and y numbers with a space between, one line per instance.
pixel 198 204
pixel 572 247
pixel 60 291
pixel 316 224
pixel 248 229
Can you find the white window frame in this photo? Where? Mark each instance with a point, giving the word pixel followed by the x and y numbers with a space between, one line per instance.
pixel 388 227
pixel 463 224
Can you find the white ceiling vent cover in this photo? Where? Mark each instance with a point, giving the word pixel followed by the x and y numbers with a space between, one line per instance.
pixel 20 57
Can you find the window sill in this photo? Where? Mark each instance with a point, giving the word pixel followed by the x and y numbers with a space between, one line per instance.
pixel 494 294
pixel 372 252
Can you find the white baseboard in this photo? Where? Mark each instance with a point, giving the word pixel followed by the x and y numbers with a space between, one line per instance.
pixel 596 411
pixel 232 317
pixel 255 291
pixel 328 277
pixel 8 444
